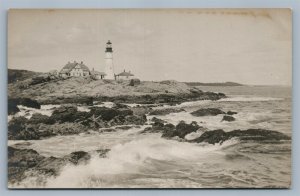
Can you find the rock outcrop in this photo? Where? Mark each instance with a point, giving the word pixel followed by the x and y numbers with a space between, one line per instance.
pixel 207 112
pixel 219 136
pixel 166 111
pixel 22 162
pixel 181 130
pixel 228 118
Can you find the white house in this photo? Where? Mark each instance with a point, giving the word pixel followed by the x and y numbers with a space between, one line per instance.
pixel 75 69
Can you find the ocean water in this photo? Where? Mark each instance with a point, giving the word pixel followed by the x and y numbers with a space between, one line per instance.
pixel 137 160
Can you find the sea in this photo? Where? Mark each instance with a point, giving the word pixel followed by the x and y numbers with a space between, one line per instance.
pixel 146 160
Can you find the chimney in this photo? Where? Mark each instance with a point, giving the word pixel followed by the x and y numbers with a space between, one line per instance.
pixel 124 70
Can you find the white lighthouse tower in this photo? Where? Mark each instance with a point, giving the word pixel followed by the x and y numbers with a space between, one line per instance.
pixel 109 66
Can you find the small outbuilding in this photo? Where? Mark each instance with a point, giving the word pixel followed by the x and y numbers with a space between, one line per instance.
pixel 97 74
pixel 124 75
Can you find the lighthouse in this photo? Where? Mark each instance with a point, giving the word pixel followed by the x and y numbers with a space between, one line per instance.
pixel 109 66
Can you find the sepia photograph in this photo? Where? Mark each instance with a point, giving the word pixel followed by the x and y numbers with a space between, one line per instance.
pixel 149 98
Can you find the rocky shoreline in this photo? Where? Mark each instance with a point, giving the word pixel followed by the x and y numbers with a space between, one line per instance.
pixel 68 119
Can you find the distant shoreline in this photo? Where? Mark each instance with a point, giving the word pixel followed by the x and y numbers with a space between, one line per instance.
pixel 214 84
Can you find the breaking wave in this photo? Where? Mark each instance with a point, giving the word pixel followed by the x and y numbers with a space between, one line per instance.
pixel 144 156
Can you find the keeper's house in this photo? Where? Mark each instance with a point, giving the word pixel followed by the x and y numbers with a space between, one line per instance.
pixel 74 69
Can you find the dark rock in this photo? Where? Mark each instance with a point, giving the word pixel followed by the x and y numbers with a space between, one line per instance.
pixel 61 129
pixel 108 114
pixel 231 113
pixel 228 118
pixel 120 106
pixel 258 134
pixel 12 108
pixel 166 111
pixel 212 137
pixel 207 112
pixel 78 157
pixel 134 82
pixel 13 102
pixel 219 136
pixel 107 130
pixel 157 120
pixel 181 130
pixel 65 113
pixel 19 161
pixel 19 130
pixel 127 127
pixel 37 118
pixel 102 152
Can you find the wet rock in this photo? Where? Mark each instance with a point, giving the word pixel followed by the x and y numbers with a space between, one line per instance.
pixel 219 136
pixel 107 130
pixel 61 129
pixel 157 120
pixel 207 112
pixel 258 135
pixel 51 165
pixel 108 114
pixel 181 130
pixel 31 103
pixel 14 102
pixel 19 161
pixel 65 113
pixel 166 111
pixel 127 127
pixel 19 130
pixel 231 113
pixel 37 118
pixel 12 108
pixel 78 157
pixel 212 137
pixel 228 118
pixel 28 161
pixel 102 152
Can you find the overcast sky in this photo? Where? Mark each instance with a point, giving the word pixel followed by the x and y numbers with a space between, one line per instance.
pixel 203 45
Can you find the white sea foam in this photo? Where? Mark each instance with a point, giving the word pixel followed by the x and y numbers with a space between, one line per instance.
pixel 130 158
pixel 105 104
pixel 27 111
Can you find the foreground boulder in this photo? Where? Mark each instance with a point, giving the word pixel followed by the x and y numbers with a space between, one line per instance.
pixel 181 130
pixel 20 160
pixel 219 136
pixel 28 161
pixel 207 112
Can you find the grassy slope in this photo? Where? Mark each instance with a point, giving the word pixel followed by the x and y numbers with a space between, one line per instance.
pixel 19 75
pixel 72 87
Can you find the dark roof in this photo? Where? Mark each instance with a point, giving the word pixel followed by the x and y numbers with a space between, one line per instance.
pixel 124 73
pixel 108 42
pixel 69 66
pixel 93 72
